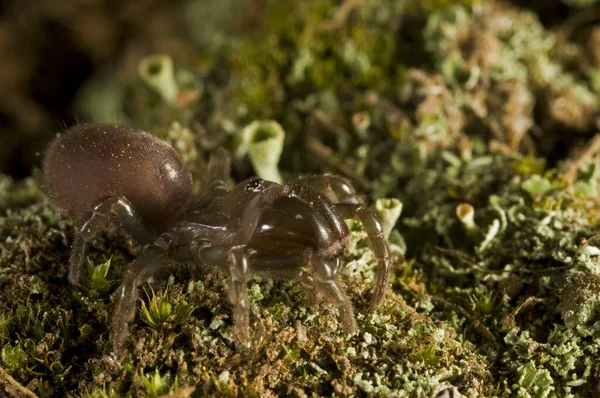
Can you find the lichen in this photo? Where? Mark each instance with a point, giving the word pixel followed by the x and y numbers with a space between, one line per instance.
pixel 468 125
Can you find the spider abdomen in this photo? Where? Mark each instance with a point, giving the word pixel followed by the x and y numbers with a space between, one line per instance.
pixel 93 161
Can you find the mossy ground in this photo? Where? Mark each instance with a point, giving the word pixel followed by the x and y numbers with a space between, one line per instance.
pixel 475 115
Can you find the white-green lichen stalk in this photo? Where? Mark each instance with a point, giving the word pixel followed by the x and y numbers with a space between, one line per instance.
pixel 388 210
pixel 466 214
pixel 262 141
pixel 157 71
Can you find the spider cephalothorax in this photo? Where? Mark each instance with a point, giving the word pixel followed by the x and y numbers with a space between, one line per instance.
pixel 107 175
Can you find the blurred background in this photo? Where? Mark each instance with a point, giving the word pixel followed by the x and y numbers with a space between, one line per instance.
pixel 50 51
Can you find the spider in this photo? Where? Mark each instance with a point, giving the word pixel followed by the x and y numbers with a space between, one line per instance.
pixel 111 176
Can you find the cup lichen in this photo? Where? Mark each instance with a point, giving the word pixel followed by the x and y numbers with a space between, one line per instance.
pixel 443 107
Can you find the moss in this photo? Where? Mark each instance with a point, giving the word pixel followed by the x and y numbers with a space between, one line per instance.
pixel 469 126
pixel 163 312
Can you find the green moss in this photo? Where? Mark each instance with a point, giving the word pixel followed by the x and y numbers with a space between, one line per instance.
pixel 155 384
pixel 13 358
pixel 465 123
pixel 96 284
pixel 161 312
pixel 5 321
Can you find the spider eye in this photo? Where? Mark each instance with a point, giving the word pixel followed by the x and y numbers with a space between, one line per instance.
pixel 255 184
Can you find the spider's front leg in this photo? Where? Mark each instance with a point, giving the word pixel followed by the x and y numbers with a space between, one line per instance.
pixel 243 261
pixel 239 275
pixel 377 243
pixel 320 278
pixel 110 211
pixel 237 259
pixel 139 271
pixel 349 204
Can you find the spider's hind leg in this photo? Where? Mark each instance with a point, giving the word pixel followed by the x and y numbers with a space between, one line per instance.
pixel 215 179
pixel 136 273
pixel 111 211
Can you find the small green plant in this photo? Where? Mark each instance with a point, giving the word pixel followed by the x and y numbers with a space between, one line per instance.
pixel 161 313
pixel 408 276
pixel 13 357
pixel 427 355
pixel 484 303
pixel 155 384
pixel 29 320
pixel 101 393
pixel 5 320
pixel 42 338
pixel 97 284
pixel 45 356
pixel 529 165
pixel 158 72
pixel 45 389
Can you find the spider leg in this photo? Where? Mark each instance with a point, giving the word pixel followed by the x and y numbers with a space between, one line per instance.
pixel 217 173
pixel 336 188
pixel 110 211
pixel 348 203
pixel 288 266
pixel 242 260
pixel 307 281
pixel 238 260
pixel 136 273
pixel 324 277
pixel 320 280
pixel 326 217
pixel 377 244
pixel 77 259
pixel 239 270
